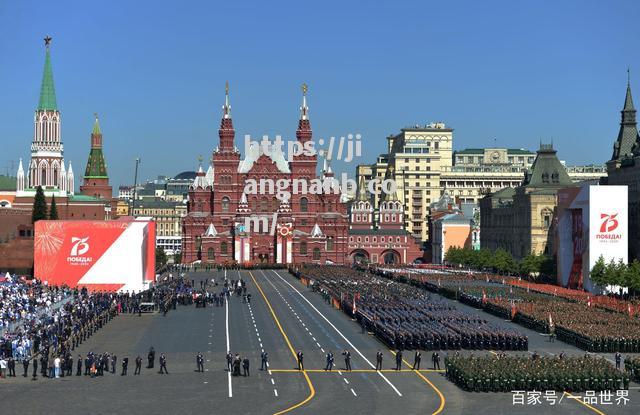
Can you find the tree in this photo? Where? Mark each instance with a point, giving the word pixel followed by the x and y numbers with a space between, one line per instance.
pixel 503 261
pixel 531 264
pixel 53 209
pixel 161 257
pixel 177 258
pixel 548 265
pixel 39 206
pixel 598 271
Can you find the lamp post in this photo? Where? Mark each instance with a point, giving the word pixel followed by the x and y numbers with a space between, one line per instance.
pixel 135 186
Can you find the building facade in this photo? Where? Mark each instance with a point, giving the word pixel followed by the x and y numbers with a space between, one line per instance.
pixel 624 168
pixel 521 220
pixel 308 227
pixel 380 239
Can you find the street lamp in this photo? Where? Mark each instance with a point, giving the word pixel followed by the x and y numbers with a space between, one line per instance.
pixel 135 186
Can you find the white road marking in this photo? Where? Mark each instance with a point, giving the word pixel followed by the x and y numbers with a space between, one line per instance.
pixel 354 392
pixel 226 303
pixel 346 381
pixel 273 382
pixel 322 349
pixel 275 391
pixel 340 373
pixel 339 332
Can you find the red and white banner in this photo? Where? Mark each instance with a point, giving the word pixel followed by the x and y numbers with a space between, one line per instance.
pixel 100 255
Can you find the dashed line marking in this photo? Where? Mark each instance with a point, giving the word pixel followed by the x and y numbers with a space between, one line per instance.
pixel 345 381
pixel 354 392
pixel 275 392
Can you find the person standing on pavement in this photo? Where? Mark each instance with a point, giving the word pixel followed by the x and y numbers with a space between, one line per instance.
pixel 138 365
pixel 79 366
pixel 436 360
pixel 300 357
pixel 618 360
pixel 151 357
pixel 379 360
pixel 163 364
pixel 347 360
pixel 200 362
pixel 264 361
pixel 399 359
pixel 417 358
pixel 329 365
pixel 245 366
pixel 25 366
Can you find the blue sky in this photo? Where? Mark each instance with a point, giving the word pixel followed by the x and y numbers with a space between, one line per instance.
pixel 512 71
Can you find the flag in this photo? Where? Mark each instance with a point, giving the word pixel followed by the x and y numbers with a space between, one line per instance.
pixel 513 310
pixel 484 296
pixel 588 301
pixel 354 309
pixel 630 309
pixel 550 321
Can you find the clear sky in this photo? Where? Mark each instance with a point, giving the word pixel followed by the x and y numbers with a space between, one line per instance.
pixel 513 71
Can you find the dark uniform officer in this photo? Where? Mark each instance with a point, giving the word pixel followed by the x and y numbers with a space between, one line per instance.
pixel 125 365
pixel 163 364
pixel 245 366
pixel 200 362
pixel 12 367
pixel 436 360
pixel 300 357
pixel 35 368
pixel 151 357
pixel 416 360
pixel 379 360
pixel 618 359
pixel 138 365
pixel 264 360
pixel 399 360
pixel 347 360
pixel 79 366
pixel 25 366
pixel 329 365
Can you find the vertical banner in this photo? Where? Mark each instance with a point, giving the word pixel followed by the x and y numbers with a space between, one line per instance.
pixel 608 224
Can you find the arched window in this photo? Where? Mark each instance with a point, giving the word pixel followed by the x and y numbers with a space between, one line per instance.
pixel 303 248
pixel 43 177
pixel 316 254
pixel 254 203
pixel 263 204
pixel 304 204
pixel 275 204
pixel 223 248
pixel 55 177
pixel 211 254
pixel 225 204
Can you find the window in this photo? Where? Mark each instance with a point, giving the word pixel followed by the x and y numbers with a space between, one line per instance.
pixel 225 204
pixel 223 248
pixel 330 244
pixel 316 254
pixel 304 204
pixel 210 254
pixel 303 248
pixel 263 205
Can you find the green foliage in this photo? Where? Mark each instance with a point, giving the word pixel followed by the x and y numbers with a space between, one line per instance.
pixel 39 206
pixel 616 273
pixel 598 271
pixel 53 209
pixel 177 258
pixel 161 258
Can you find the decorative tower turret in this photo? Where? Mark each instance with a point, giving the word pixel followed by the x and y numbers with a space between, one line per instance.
pixel 96 180
pixel 46 147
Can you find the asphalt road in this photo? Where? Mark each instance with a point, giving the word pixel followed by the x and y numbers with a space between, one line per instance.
pixel 284 316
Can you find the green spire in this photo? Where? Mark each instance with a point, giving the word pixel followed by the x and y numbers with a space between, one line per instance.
pixel 96 126
pixel 47 90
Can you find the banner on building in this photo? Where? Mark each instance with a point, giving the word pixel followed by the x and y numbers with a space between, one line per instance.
pixel 608 224
pixel 114 255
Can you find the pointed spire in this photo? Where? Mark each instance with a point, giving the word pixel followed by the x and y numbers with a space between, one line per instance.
pixel 211 231
pixel 628 100
pixel 316 232
pixel 47 89
pixel 362 190
pixel 243 199
pixel 304 109
pixel 20 182
pixel 226 108
pixel 96 125
pixel 303 134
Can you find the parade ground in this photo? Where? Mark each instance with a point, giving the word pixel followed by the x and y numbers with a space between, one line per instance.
pixel 283 317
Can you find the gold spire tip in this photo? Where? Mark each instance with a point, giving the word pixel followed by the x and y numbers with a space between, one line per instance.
pixel 226 88
pixel 305 87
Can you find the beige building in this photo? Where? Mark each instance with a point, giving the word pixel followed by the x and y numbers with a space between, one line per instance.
pixel 415 159
pixel 520 220
pixel 168 217
pixel 423 165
